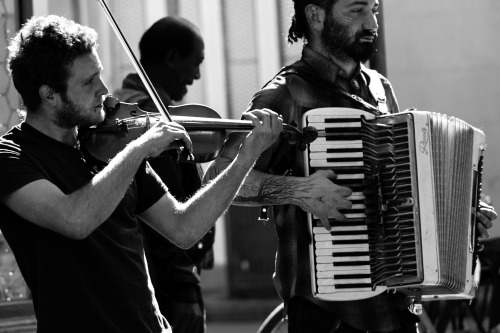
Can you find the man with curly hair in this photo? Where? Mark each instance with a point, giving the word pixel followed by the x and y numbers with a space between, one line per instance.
pixel 71 219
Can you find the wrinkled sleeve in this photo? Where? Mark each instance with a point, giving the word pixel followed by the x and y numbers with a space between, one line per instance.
pixel 15 171
pixel 276 97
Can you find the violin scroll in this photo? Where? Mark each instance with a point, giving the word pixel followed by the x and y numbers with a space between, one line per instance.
pixel 309 134
pixel 298 138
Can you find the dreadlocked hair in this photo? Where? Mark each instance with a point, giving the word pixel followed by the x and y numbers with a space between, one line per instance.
pixel 299 29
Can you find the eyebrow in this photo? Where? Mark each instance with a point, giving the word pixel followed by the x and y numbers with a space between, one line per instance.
pixel 91 76
pixel 362 2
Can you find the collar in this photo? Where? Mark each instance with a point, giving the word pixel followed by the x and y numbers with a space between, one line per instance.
pixel 33 131
pixel 133 81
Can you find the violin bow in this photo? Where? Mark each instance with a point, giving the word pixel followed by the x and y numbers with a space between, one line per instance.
pixel 138 67
pixel 312 133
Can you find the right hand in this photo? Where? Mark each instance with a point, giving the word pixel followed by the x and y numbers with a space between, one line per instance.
pixel 323 198
pixel 162 135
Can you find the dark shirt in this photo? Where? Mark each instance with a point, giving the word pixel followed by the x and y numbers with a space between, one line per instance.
pixel 174 271
pixel 97 284
pixel 315 82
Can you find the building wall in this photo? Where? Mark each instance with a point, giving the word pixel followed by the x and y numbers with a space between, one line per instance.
pixel 443 56
pixel 9 101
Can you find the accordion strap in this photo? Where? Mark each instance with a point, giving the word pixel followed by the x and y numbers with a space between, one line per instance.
pixel 377 89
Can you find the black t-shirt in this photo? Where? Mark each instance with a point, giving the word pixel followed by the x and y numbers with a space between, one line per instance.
pixel 98 284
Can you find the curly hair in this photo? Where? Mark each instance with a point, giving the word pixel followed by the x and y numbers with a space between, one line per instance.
pixel 299 28
pixel 42 53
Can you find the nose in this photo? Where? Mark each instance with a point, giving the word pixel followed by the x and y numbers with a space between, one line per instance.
pixel 103 89
pixel 197 73
pixel 371 22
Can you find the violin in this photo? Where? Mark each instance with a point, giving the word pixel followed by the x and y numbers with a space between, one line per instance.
pixel 207 131
pixel 125 122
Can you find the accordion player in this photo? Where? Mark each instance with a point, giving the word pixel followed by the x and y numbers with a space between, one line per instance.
pixel 416 181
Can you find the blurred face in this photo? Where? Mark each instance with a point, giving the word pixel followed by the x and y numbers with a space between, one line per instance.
pixel 187 69
pixel 350 30
pixel 85 93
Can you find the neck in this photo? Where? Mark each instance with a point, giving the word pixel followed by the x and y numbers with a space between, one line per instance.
pixel 49 128
pixel 348 65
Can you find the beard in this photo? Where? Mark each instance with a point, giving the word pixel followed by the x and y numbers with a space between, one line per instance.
pixel 72 114
pixel 179 93
pixel 338 42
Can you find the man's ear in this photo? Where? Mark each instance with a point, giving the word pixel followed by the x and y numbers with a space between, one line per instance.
pixel 171 58
pixel 315 16
pixel 48 95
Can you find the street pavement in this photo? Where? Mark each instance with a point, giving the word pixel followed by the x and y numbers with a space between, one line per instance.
pixel 226 313
pixel 232 327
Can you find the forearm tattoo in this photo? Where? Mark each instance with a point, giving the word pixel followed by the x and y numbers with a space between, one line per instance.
pixel 273 190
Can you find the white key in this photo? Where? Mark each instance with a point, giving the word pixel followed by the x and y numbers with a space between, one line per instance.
pixel 340 269
pixel 325 155
pixel 331 274
pixel 329 238
pixel 331 260
pixel 342 248
pixel 322 145
pixel 323 230
pixel 324 163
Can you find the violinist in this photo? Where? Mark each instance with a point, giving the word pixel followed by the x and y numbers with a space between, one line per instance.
pixel 72 220
pixel 171 52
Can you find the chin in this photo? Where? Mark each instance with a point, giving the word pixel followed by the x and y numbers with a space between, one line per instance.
pixel 97 117
pixel 180 94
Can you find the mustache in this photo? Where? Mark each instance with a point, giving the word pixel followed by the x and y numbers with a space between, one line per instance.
pixel 367 33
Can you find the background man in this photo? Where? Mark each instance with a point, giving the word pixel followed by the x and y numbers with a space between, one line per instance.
pixel 339 35
pixel 171 52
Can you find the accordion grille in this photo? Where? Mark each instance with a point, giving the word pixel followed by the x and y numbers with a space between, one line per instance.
pixel 389 190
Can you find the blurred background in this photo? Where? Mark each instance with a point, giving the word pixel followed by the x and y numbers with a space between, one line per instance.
pixel 440 56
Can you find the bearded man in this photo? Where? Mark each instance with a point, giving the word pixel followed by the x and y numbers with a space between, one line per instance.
pixel 338 36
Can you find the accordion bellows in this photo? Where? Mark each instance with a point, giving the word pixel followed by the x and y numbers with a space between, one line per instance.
pixel 416 181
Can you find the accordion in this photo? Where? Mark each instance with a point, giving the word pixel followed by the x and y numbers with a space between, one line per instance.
pixel 416 182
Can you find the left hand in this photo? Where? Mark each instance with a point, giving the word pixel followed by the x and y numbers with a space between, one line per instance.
pixel 268 125
pixel 485 218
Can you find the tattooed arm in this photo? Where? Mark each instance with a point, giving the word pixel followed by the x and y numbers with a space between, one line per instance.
pixel 315 194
